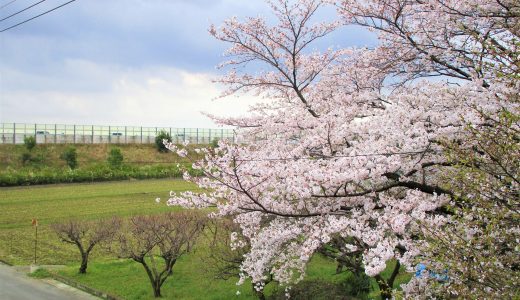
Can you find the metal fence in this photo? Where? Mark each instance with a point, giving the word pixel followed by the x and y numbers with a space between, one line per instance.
pixel 15 133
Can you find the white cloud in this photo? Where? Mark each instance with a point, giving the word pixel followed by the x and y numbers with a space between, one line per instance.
pixel 151 96
pixel 128 62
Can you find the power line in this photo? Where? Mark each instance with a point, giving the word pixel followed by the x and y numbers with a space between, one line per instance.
pixel 7 4
pixel 21 11
pixel 44 13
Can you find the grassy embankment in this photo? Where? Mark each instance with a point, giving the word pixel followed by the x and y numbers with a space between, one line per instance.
pixel 54 203
pixel 45 165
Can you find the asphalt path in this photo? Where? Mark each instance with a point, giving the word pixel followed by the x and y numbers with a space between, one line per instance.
pixel 16 285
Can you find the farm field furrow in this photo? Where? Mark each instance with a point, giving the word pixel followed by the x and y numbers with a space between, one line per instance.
pixel 55 203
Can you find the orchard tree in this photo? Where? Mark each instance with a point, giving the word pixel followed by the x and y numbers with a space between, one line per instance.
pixel 86 235
pixel 166 236
pixel 355 137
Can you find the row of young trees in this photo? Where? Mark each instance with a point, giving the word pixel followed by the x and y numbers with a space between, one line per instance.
pixel 404 152
pixel 154 241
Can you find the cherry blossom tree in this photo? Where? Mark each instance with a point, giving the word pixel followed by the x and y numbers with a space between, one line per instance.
pixel 349 142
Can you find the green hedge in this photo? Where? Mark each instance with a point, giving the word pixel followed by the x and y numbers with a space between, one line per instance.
pixel 102 172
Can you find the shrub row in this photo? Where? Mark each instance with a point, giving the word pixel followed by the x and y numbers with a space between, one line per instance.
pixel 12 177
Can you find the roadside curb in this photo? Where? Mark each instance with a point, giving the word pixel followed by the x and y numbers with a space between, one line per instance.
pixel 83 287
pixel 5 262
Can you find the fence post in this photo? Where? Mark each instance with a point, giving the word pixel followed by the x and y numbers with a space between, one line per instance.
pixel 126 141
pixel 184 134
pixel 74 134
pixel 109 136
pixel 14 133
pixel 55 133
pixel 197 135
pixel 92 134
pixel 34 131
pixel 141 134
pixel 209 137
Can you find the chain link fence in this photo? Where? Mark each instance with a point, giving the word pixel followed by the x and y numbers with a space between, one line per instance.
pixel 15 133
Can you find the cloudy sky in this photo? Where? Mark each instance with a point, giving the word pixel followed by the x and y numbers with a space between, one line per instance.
pixel 123 62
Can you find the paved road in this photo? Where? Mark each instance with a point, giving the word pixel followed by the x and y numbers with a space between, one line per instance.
pixel 17 286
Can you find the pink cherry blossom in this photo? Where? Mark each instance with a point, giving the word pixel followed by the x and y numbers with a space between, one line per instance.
pixel 347 141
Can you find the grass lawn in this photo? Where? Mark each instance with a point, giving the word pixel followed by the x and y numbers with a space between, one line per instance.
pixel 190 279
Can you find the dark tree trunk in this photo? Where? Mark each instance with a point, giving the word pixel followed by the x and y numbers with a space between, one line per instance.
pixel 84 257
pixel 259 294
pixel 386 286
pixel 384 289
pixel 157 288
pixel 84 263
pixel 156 282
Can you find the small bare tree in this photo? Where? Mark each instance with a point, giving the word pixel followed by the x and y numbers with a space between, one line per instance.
pixel 168 236
pixel 86 235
